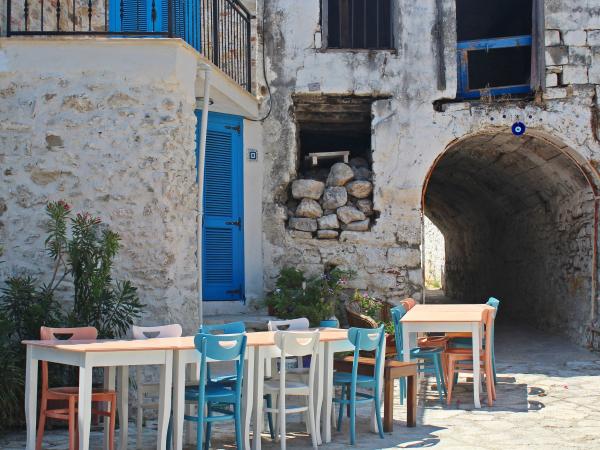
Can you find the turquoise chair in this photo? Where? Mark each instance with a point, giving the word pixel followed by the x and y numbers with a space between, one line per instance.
pixel 468 343
pixel 431 356
pixel 218 397
pixel 232 328
pixel 363 339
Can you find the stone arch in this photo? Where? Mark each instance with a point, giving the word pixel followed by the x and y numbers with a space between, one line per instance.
pixel 519 216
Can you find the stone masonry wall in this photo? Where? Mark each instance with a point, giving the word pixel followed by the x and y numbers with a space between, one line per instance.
pixel 109 126
pixel 407 132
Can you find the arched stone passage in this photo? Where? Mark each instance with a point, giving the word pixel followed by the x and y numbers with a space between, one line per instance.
pixel 517 214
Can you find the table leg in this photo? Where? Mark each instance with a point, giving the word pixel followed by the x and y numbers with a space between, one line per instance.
pixel 319 385
pixel 476 363
pixel 327 392
pixel 164 402
pixel 178 399
pixel 247 396
pixel 123 401
pixel 109 384
pixel 411 401
pixel 84 414
pixel 31 384
pixel 259 377
pixel 388 403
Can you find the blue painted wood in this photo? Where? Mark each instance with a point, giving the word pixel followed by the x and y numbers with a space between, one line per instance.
pixel 363 339
pixel 223 240
pixel 463 49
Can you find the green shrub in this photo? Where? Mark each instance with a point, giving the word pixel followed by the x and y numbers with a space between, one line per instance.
pixel 315 298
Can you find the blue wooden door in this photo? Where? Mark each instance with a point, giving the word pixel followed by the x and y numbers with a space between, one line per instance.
pixel 223 239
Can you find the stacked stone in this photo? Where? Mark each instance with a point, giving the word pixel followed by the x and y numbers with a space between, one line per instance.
pixel 343 202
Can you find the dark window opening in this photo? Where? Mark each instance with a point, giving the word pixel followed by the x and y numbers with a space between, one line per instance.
pixel 331 128
pixel 494 47
pixel 359 24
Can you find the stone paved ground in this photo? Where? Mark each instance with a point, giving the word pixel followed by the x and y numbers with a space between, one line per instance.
pixel 548 398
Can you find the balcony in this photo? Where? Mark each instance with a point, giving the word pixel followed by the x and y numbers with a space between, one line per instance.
pixel 219 29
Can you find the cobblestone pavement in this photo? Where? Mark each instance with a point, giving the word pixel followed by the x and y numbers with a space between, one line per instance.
pixel 548 398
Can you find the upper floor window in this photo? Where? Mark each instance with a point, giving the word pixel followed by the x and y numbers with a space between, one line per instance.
pixel 494 47
pixel 358 24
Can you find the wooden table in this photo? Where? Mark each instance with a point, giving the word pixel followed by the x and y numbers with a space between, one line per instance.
pixel 108 354
pixel 446 318
pixel 392 370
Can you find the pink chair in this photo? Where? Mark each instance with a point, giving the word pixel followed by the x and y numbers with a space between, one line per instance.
pixel 71 394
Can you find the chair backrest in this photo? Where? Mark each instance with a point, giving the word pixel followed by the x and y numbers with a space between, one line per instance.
pixel 367 339
pixel 66 334
pixel 494 302
pixel 488 320
pixel 408 303
pixel 163 331
pixel 288 325
pixel 223 328
pixel 397 313
pixel 222 347
pixel 298 344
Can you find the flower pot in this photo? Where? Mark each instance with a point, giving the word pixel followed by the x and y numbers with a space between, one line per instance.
pixel 329 323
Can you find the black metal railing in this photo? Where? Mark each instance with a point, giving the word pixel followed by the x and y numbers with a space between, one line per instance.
pixel 219 29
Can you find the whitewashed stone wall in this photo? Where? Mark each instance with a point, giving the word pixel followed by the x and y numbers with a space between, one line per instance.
pixel 407 132
pixel 109 126
pixel 435 261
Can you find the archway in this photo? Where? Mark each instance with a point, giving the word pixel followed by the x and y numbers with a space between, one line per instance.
pixel 519 217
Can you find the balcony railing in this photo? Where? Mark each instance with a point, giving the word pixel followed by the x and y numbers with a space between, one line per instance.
pixel 219 29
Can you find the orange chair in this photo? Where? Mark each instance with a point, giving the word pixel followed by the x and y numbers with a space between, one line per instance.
pixel 71 394
pixel 460 360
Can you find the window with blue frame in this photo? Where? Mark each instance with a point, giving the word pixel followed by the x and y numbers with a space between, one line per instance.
pixel 494 47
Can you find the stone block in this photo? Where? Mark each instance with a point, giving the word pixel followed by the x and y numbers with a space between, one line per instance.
pixel 551 80
pixel 296 234
pixel 309 208
pixel 349 214
pixel 555 93
pixel 594 70
pixel 327 234
pixel 575 37
pixel 552 37
pixel 593 37
pixel 359 225
pixel 383 280
pixel 334 197
pixel 307 189
pixel 580 56
pixel 303 224
pixel 339 175
pixel 557 56
pixel 365 205
pixel 575 75
pixel 404 257
pixel 328 222
pixel 359 188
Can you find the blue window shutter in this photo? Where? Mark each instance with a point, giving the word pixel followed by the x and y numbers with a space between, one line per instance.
pixel 223 252
pixel 137 15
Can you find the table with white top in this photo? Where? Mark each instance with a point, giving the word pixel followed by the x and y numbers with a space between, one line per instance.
pixel 447 319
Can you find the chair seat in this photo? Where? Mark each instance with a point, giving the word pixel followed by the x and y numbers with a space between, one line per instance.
pixel 73 391
pixel 213 392
pixel 346 377
pixel 291 386
pixel 424 352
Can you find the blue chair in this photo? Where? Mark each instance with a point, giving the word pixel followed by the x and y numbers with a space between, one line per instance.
pixel 232 328
pixel 463 342
pixel 218 397
pixel 363 339
pixel 431 357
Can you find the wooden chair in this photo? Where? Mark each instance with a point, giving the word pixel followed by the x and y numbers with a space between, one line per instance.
pixel 459 360
pixel 71 394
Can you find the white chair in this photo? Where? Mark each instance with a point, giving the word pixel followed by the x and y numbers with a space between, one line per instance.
pixel 149 389
pixel 294 343
pixel 300 324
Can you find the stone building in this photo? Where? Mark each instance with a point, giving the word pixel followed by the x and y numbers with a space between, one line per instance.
pixel 389 110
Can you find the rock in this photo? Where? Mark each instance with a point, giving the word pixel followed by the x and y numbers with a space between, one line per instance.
pixel 307 189
pixel 327 212
pixel 349 214
pixel 309 208
pixel 334 197
pixel 358 162
pixel 362 173
pixel 327 234
pixel 53 140
pixel 303 224
pixel 339 174
pixel 365 205
pixel 329 222
pixel 360 225
pixel 301 234
pixel 360 189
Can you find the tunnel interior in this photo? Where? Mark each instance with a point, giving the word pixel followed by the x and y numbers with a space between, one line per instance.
pixel 517 215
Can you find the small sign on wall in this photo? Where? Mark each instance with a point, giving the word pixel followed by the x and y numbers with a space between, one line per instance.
pixel 252 154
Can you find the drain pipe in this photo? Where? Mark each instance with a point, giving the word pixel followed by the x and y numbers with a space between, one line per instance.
pixel 200 200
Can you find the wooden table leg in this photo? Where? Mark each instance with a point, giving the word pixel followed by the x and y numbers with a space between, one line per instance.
pixel 388 403
pixel 411 402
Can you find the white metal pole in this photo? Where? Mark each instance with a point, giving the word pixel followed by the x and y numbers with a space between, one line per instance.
pixel 200 202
